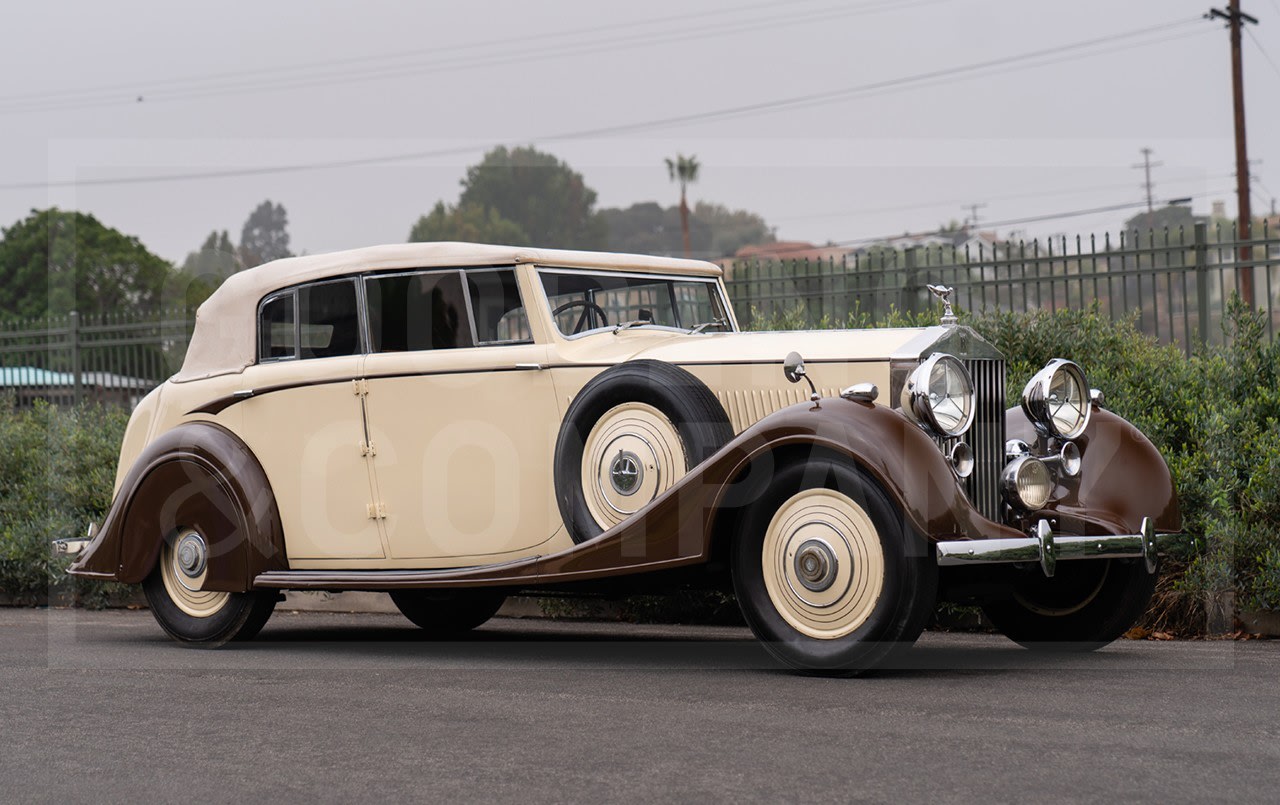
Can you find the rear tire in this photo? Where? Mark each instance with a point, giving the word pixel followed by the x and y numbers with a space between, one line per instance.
pixel 196 617
pixel 1085 606
pixel 448 613
pixel 828 576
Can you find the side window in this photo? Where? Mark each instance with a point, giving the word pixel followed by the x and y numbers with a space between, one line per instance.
pixel 409 312
pixel 496 304
pixel 276 332
pixel 328 320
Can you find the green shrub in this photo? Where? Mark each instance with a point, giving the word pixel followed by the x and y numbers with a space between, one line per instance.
pixel 57 467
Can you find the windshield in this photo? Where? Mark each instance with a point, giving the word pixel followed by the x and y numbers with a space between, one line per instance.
pixel 584 301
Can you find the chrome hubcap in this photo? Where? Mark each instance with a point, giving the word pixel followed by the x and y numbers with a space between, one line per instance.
pixel 191 555
pixel 626 473
pixel 816 565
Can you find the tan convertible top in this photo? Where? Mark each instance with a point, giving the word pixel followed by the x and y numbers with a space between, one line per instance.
pixel 223 341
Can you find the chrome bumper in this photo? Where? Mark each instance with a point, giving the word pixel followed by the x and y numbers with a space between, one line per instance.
pixel 74 546
pixel 1047 549
pixel 70 546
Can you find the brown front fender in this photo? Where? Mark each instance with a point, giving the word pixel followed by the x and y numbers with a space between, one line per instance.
pixel 1123 478
pixel 200 476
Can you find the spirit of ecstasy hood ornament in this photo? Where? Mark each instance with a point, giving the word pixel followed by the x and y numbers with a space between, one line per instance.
pixel 943 293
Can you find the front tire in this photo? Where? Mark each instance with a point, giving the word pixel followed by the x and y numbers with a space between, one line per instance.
pixel 443 614
pixel 828 576
pixel 1085 606
pixel 194 616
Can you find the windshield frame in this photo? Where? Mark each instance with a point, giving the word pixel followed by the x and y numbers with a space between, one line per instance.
pixel 717 290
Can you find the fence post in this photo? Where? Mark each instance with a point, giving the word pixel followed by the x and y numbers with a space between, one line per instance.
pixel 73 334
pixel 1202 278
pixel 910 285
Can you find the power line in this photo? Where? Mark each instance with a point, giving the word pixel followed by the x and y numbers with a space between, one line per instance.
pixel 1258 44
pixel 467 61
pixel 808 99
pixel 1054 216
pixel 1040 193
pixel 134 86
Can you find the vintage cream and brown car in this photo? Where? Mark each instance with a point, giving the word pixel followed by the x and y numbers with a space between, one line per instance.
pixel 451 423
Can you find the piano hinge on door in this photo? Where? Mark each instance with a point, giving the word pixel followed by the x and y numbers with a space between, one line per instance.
pixel 368 448
pixel 360 387
pixel 376 511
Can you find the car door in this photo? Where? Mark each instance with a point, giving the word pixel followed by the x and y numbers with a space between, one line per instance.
pixel 462 415
pixel 305 423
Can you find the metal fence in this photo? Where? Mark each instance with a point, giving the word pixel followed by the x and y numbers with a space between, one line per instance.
pixel 68 359
pixel 1173 282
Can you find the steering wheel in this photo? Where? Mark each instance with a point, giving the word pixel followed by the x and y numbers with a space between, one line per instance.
pixel 590 310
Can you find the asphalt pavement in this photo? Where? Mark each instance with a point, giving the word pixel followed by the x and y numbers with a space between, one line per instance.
pixel 100 706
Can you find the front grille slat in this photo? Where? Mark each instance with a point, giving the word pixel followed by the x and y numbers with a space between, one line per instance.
pixel 986 436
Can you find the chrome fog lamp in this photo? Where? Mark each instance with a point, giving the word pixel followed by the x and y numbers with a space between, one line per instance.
pixel 1057 400
pixel 939 395
pixel 961 458
pixel 1027 483
pixel 1069 458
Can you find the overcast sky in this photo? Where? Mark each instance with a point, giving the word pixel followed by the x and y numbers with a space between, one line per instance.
pixel 247 85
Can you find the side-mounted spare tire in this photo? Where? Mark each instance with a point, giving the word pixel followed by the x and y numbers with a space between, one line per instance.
pixel 629 435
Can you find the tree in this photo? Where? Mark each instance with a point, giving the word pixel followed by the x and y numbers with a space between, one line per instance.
pixel 53 262
pixel 684 170
pixel 467 222
pixel 216 260
pixel 543 196
pixel 714 230
pixel 265 236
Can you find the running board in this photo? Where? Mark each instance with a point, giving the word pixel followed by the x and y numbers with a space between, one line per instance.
pixel 473 575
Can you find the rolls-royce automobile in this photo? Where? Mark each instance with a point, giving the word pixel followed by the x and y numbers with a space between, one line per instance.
pixel 454 423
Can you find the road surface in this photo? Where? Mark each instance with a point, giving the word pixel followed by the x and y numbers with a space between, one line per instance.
pixel 322 707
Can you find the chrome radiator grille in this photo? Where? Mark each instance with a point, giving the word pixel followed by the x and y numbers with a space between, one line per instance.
pixel 985 436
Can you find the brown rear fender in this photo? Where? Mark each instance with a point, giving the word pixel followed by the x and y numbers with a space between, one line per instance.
pixel 200 476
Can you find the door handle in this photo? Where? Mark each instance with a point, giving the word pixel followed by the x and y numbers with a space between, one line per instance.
pixel 531 366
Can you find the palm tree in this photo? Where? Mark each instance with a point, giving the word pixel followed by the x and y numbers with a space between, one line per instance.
pixel 684 170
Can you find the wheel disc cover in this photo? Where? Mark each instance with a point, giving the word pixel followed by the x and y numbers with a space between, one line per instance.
pixel 820 538
pixel 632 455
pixel 184 590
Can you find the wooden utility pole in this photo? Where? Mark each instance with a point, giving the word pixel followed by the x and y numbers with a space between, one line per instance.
pixel 972 219
pixel 1236 19
pixel 1146 166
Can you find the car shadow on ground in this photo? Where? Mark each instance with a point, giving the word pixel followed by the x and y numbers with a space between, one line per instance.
pixel 597 646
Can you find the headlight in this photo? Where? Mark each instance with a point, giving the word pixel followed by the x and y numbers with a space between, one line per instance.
pixel 939 395
pixel 1057 400
pixel 1027 483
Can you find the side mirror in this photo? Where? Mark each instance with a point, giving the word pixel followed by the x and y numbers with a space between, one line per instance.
pixel 793 367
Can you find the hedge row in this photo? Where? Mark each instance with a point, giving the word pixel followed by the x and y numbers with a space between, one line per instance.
pixel 57 468
pixel 1214 417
